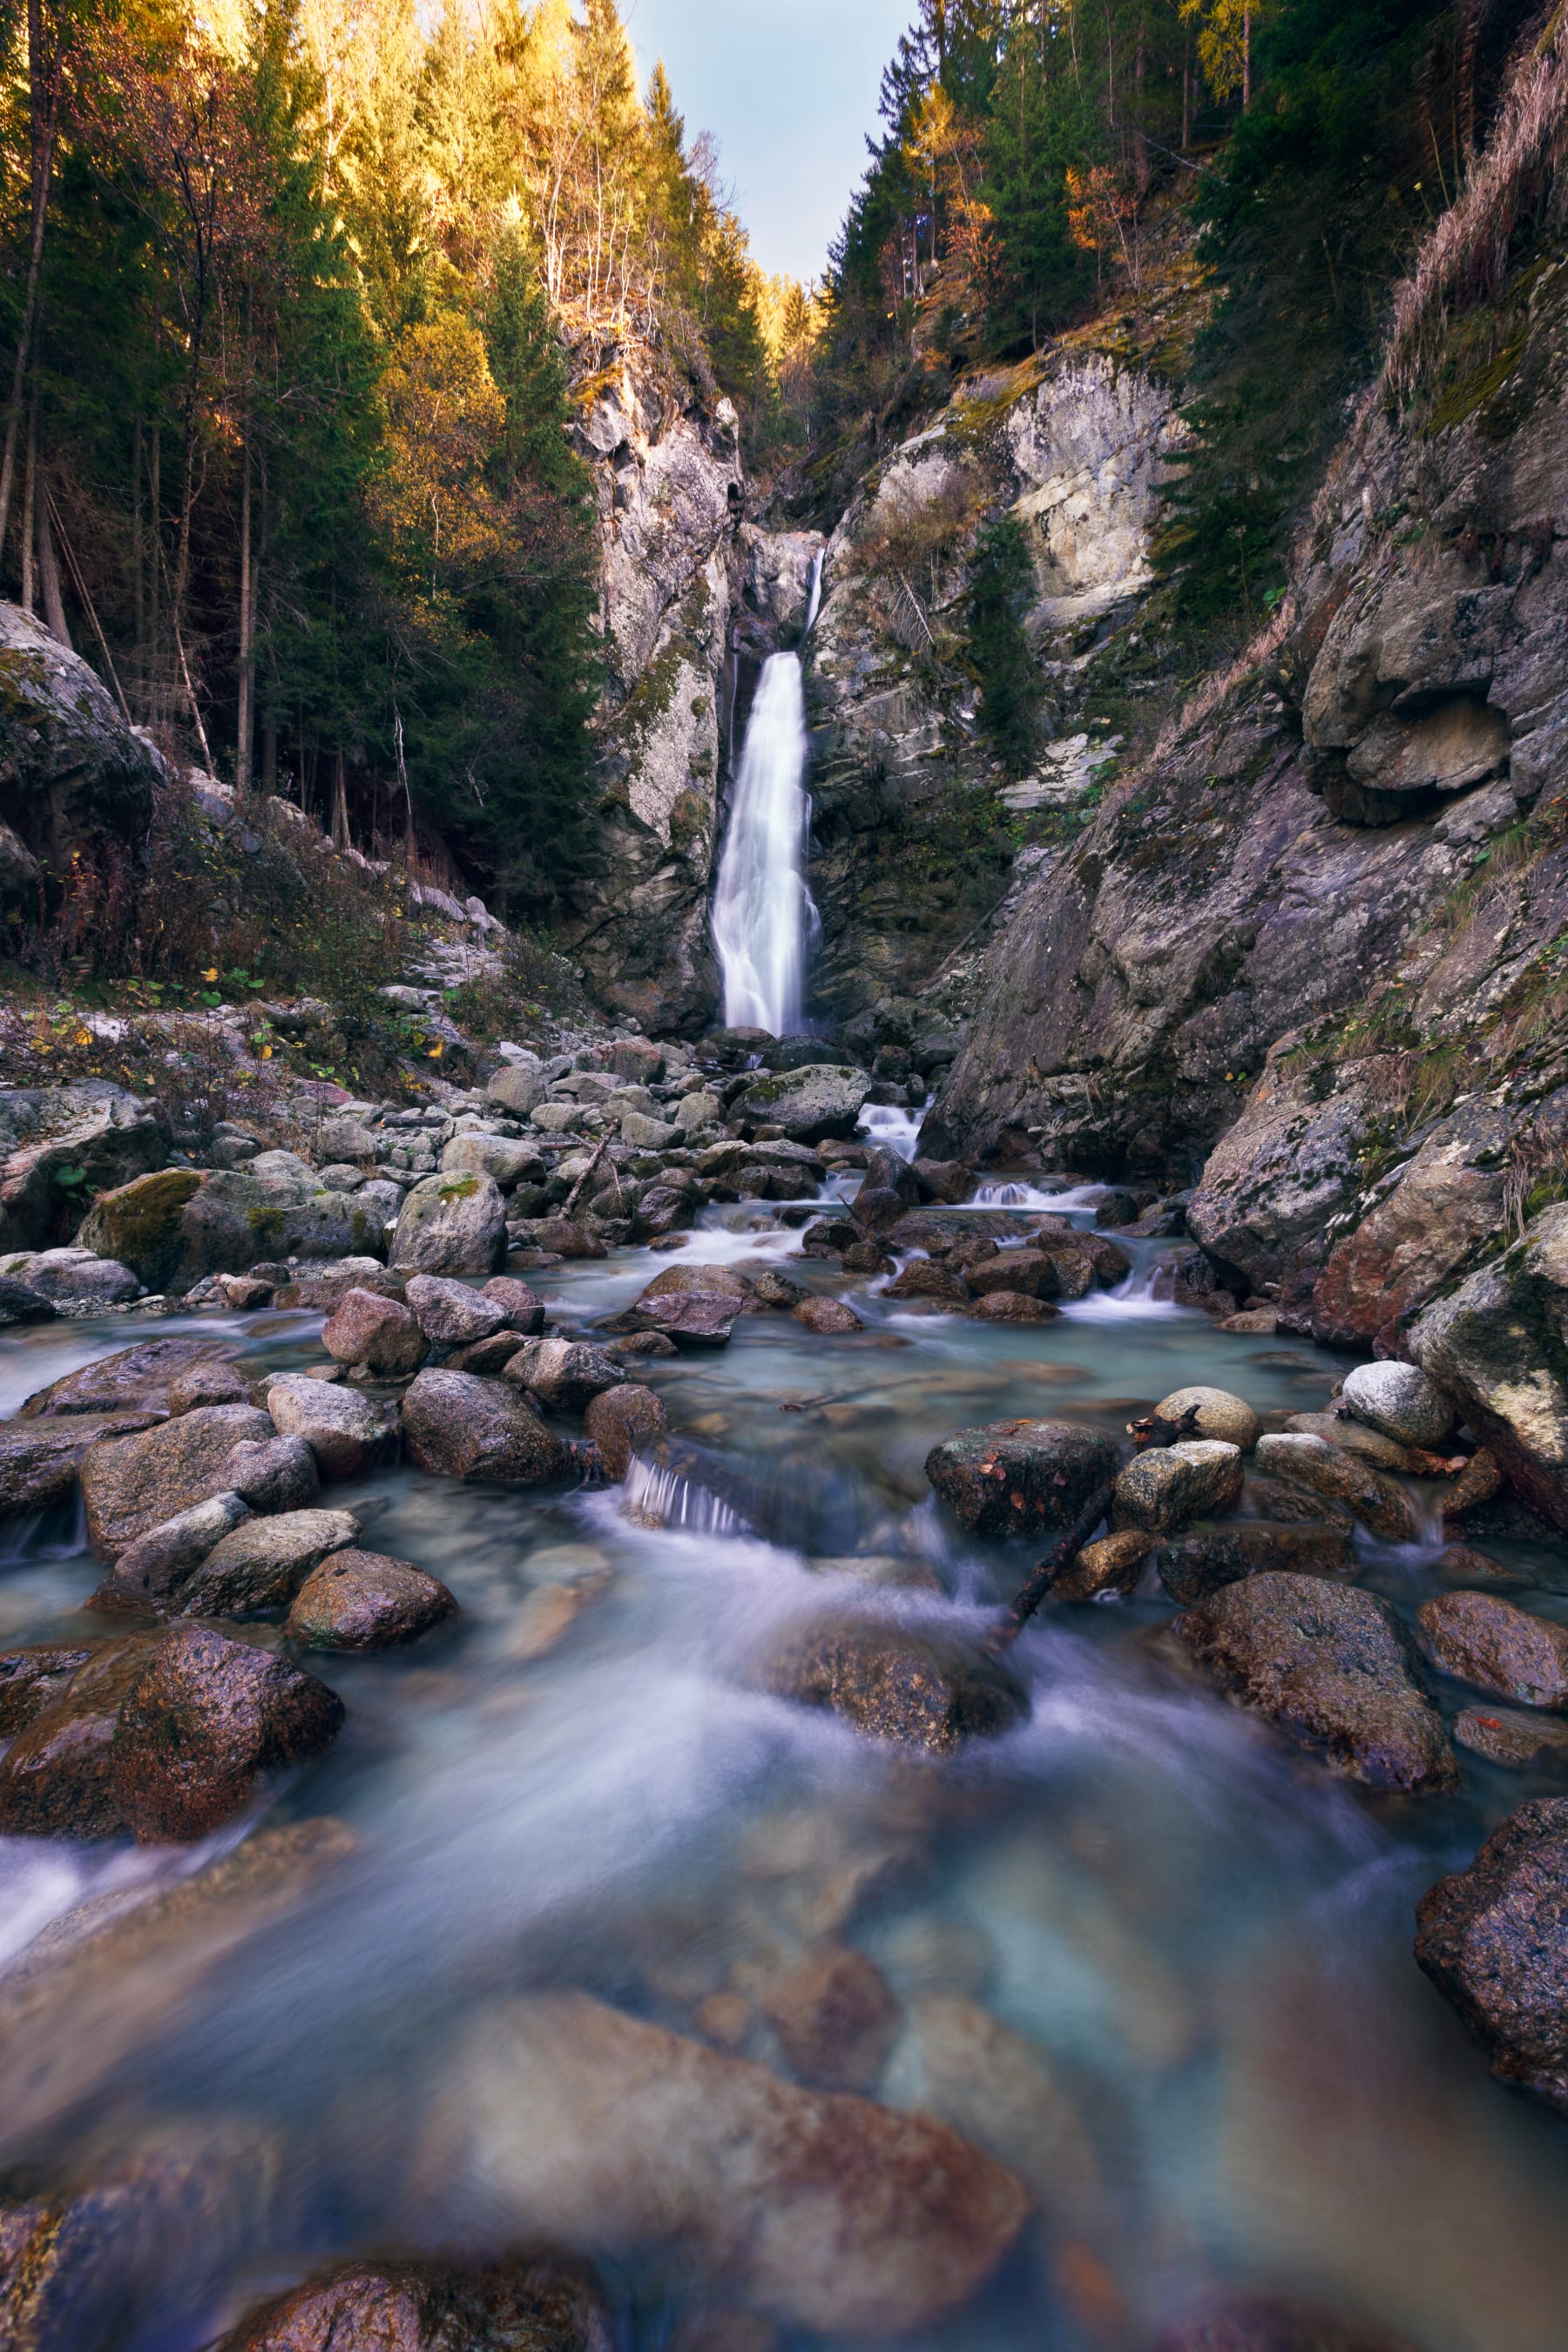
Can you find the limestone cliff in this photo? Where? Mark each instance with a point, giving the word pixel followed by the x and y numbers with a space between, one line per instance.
pixel 1307 955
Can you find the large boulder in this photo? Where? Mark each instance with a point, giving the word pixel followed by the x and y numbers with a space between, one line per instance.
pixel 457 1426
pixel 278 1474
pixel 809 1104
pixel 345 1431
pixel 31 1678
pixel 454 1315
pixel 136 1380
pixel 70 768
pixel 1169 1486
pixel 139 1224
pixel 131 1485
pixel 1494 1938
pixel 1400 1402
pixel 1499 1346
pixel 56 1776
pixel 506 1161
pixel 379 1333
pixel 261 1565
pixel 150 1570
pixel 177 1227
pixel 451 1225
pixel 75 1278
pixel 39 1459
pixel 618 1420
pixel 1448 1203
pixel 563 1374
pixel 1198 1563
pixel 366 1600
pixel 1327 1471
pixel 1292 1161
pixel 572 2123
pixel 1331 1665
pixel 59 1145
pixel 537 2306
pixel 897 1685
pixel 1492 1645
pixel 204 1720
pixel 1014 1477
pixel 517 1088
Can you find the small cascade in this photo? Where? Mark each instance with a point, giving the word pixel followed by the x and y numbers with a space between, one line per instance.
pixel 899 1130
pixel 659 1496
pixel 813 598
pixel 764 916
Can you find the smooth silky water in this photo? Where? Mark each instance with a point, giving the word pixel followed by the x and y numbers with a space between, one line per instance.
pixel 1202 1938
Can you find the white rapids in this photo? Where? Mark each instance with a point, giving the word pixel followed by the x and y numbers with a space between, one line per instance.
pixel 763 913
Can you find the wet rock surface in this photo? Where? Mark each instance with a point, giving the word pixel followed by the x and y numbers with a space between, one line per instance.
pixel 1164 1490
pixel 592 2128
pixel 460 1426
pixel 898 1687
pixel 131 1485
pixel 1496 1646
pixel 1011 1477
pixel 1494 1938
pixel 1201 1561
pixel 202 1722
pixel 260 1566
pixel 541 2306
pixel 619 1420
pixel 1330 1664
pixel 55 1777
pixel 366 1600
pixel 1374 1499
pixel 39 1460
pixel 346 1433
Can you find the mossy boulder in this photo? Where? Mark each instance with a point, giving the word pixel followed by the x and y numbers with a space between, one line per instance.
pixel 451 1224
pixel 180 1225
pixel 139 1224
pixel 809 1103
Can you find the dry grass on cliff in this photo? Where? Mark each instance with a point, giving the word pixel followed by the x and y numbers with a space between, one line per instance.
pixel 1464 260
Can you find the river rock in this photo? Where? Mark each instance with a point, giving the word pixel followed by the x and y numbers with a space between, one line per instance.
pixel 828 1318
pixel 379 1333
pixel 1496 1344
pixel 517 1088
pixel 1383 1508
pixel 695 1318
pixel 1112 1565
pixel 563 1374
pixel 457 1426
pixel 522 1307
pixel 1012 1306
pixel 1071 1263
pixel 1520 1743
pixel 1331 1665
pixel 131 1485
pixel 898 1686
pixel 1402 1401
pixel 135 1380
pixel 1037 1273
pixel 1462 1564
pixel 451 1314
pixel 345 1431
pixel 366 1600
pixel 56 1777
pixel 1488 1642
pixel 212 1381
pixel 1267 2323
pixel 505 1159
pixel 924 1278
pixel 151 1568
pixel 274 1473
pixel 39 1459
pixel 537 2306
pixel 94 1127
pixel 31 1679
pixel 205 1718
pixel 450 1224
pixel 1494 1938
pixel 18 1304
pixel 584 2127
pixel 835 2019
pixel 1011 1477
pixel 618 1420
pixel 778 1291
pixel 72 1278
pixel 262 1565
pixel 708 1281
pixel 1356 1437
pixel 1199 1563
pixel 1162 1489
pixel 1219 1415
pixel 809 1103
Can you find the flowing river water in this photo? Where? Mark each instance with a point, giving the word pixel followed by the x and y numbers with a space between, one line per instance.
pixel 1160 1958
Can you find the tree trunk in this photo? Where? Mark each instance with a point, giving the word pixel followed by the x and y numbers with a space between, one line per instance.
pixel 43 106
pixel 49 574
pixel 340 806
pixel 1246 57
pixel 247 628
pixel 29 499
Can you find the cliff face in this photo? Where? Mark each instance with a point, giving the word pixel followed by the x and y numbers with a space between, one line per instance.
pixel 916 823
pixel 1307 955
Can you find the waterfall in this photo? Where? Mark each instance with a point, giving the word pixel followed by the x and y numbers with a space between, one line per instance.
pixel 814 598
pixel 762 911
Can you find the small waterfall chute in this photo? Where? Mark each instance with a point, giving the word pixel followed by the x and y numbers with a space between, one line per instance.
pixel 764 916
pixel 813 597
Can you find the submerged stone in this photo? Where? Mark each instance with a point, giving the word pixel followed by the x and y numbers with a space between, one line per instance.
pixel 899 1685
pixel 1012 1477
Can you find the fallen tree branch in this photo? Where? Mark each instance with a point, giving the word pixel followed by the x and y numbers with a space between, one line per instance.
pixel 1147 1434
pixel 575 1194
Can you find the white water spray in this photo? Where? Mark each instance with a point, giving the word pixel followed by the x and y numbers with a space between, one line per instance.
pixel 762 911
pixel 814 598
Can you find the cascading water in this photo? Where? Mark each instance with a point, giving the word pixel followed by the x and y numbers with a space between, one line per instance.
pixel 763 913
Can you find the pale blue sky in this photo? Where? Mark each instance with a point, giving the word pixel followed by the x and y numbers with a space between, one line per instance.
pixel 788 89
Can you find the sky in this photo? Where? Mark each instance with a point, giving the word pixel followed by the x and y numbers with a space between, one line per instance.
pixel 788 89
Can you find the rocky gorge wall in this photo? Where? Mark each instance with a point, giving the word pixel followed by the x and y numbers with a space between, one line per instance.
pixel 1305 957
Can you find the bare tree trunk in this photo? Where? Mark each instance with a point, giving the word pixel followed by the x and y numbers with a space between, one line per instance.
pixel 246 625
pixel 43 108
pixel 340 806
pixel 1187 89
pixel 29 497
pixel 153 690
pixel 1246 57
pixel 49 574
pixel 1140 141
